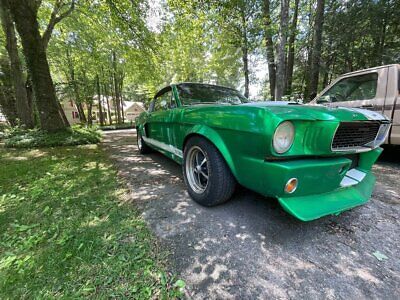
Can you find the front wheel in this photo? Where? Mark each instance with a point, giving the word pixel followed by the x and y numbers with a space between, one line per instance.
pixel 142 146
pixel 207 176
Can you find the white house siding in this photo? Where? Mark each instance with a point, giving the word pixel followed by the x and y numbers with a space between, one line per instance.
pixel 70 112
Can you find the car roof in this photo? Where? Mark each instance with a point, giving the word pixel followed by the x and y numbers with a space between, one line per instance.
pixel 370 69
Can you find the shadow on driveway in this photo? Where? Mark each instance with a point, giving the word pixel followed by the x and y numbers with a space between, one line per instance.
pixel 250 248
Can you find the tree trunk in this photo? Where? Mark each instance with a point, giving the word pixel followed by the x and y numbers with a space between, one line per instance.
pixel 113 97
pixel 116 92
pixel 109 111
pixel 122 110
pixel 246 70
pixel 270 49
pixel 25 17
pixel 383 34
pixel 106 94
pixel 245 54
pixel 309 39
pixel 81 112
pixel 316 52
pixel 99 101
pixel 292 39
pixel 89 112
pixel 120 87
pixel 24 110
pixel 75 87
pixel 281 51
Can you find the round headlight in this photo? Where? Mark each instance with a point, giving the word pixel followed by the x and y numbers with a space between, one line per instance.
pixel 283 137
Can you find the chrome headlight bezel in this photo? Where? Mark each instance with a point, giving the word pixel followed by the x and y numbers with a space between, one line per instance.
pixel 283 137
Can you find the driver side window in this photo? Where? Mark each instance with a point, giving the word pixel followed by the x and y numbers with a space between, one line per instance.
pixel 164 102
pixel 362 87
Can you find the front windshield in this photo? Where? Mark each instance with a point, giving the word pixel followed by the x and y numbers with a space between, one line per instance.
pixel 195 93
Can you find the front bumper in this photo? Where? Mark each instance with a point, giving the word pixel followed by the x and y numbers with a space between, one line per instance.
pixel 323 187
pixel 307 208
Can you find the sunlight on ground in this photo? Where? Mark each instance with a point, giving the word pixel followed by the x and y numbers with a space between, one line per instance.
pixel 14 155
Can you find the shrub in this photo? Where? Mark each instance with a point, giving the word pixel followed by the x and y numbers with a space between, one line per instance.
pixel 117 126
pixel 3 128
pixel 35 138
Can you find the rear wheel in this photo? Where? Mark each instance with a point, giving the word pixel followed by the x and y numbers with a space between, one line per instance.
pixel 207 176
pixel 142 146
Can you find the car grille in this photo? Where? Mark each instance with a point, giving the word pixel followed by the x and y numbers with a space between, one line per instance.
pixel 354 134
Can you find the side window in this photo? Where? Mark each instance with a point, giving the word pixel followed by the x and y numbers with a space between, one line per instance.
pixel 164 102
pixel 362 87
pixel 398 80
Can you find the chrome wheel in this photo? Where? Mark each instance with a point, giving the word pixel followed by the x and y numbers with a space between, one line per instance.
pixel 197 169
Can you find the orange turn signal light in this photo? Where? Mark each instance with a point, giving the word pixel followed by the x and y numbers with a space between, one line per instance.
pixel 291 185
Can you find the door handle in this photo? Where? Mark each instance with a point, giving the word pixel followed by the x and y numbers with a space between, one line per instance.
pixel 367 106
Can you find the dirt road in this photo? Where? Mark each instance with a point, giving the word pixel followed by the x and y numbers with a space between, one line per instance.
pixel 250 248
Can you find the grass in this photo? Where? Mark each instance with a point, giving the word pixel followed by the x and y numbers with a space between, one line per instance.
pixel 67 232
pixel 35 138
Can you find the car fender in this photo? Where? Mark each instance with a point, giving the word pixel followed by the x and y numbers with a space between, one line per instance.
pixel 213 136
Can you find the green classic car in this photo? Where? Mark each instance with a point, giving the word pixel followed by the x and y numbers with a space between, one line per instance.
pixel 315 160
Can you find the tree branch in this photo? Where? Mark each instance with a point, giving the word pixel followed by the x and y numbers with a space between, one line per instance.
pixel 56 18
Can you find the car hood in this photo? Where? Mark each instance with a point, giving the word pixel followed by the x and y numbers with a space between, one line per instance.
pixel 291 110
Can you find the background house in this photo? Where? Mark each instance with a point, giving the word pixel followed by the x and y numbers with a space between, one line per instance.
pixel 131 110
pixel 71 112
pixel 2 118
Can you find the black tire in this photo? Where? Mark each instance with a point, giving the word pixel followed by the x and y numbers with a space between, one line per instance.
pixel 221 183
pixel 142 146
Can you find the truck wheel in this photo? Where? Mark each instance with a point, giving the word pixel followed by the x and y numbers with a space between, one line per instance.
pixel 142 146
pixel 207 176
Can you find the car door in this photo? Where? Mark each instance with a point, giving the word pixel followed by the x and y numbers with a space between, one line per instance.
pixel 157 119
pixel 392 101
pixel 365 90
pixel 174 126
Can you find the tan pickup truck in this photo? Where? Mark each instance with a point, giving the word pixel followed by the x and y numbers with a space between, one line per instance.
pixel 375 89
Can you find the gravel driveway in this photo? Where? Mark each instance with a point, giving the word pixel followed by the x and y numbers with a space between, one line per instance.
pixel 250 248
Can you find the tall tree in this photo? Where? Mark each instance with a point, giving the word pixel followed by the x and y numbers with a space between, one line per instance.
pixel 115 79
pixel 270 48
pixel 24 110
pixel 292 39
pixel 245 52
pixel 281 50
pixel 99 100
pixel 316 50
pixel 25 17
pixel 74 85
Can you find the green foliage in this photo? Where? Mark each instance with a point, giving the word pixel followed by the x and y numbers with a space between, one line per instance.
pixel 117 126
pixel 34 138
pixel 66 231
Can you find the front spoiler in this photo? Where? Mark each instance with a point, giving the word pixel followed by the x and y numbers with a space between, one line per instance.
pixel 307 208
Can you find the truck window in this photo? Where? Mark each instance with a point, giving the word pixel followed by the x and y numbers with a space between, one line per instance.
pixel 362 87
pixel 398 81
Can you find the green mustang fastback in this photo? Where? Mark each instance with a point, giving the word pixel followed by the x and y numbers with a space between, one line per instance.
pixel 315 160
